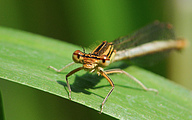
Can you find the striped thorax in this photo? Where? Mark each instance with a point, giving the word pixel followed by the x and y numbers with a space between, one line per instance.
pixel 101 56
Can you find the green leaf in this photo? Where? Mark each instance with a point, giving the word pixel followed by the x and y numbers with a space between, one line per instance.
pixel 25 57
pixel 1 108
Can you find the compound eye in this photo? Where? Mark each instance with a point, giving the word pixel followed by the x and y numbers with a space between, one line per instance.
pixel 104 60
pixel 77 56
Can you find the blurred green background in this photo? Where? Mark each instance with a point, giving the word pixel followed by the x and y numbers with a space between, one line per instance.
pixel 83 22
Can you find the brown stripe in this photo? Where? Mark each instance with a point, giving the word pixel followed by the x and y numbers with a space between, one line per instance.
pixel 99 48
pixel 110 51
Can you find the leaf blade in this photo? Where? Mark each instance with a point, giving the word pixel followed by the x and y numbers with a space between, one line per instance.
pixel 24 58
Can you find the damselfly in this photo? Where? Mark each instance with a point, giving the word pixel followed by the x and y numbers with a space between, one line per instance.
pixel 154 38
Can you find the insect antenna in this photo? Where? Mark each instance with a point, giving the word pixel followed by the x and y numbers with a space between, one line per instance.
pixel 83 49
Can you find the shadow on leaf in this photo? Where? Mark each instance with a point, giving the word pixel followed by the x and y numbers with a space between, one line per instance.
pixel 89 81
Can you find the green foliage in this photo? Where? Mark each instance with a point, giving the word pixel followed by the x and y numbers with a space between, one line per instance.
pixel 24 59
pixel 1 108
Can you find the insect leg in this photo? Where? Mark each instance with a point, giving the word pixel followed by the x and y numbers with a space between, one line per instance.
pixel 133 78
pixel 61 68
pixel 69 74
pixel 111 83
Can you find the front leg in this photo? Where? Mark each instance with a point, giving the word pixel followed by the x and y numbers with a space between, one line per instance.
pixel 104 74
pixel 61 68
pixel 69 74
